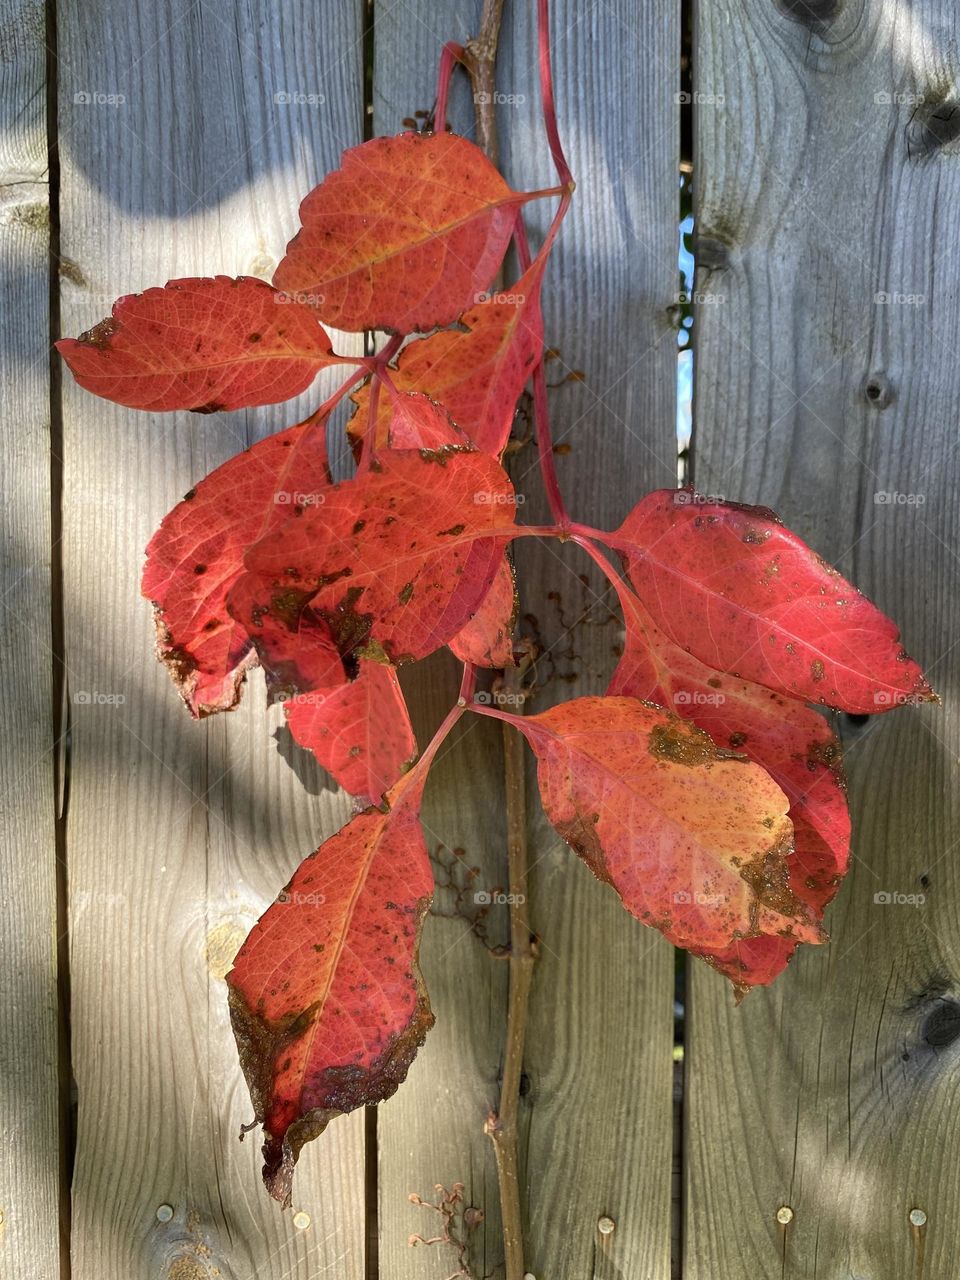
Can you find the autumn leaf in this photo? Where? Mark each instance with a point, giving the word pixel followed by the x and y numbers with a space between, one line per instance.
pixel 326 997
pixel 403 236
pixel 487 639
pixel 397 560
pixel 476 371
pixel 201 344
pixel 746 596
pixel 359 730
pixel 410 420
pixel 791 741
pixel 196 556
pixel 693 837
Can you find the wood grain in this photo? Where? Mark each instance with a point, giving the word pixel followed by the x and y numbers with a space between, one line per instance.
pixel 827 184
pixel 179 834
pixel 29 1088
pixel 597 1109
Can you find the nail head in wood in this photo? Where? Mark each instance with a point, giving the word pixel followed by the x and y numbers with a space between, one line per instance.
pixel 606 1226
pixel 784 1215
pixel 917 1218
pixel 301 1220
pixel 164 1213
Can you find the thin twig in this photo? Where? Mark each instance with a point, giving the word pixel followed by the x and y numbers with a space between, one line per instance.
pixel 502 1125
pixel 480 59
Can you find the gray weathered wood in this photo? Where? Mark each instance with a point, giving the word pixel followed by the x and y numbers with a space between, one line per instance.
pixel 29 1100
pixel 826 374
pixel 179 834
pixel 597 1115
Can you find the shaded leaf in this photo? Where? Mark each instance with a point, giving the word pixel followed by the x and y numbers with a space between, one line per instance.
pixel 201 344
pixel 478 372
pixel 326 997
pixel 487 639
pixel 395 561
pixel 402 236
pixel 693 837
pixel 196 556
pixel 747 596
pixel 359 731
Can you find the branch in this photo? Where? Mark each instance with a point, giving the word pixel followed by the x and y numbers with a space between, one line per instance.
pixel 480 59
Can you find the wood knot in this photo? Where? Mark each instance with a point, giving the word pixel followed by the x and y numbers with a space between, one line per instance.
pixel 934 124
pixel 811 13
pixel 711 252
pixel 877 390
pixel 942 1025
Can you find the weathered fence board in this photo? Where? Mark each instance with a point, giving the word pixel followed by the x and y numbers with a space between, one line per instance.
pixel 179 834
pixel 827 183
pixel 29 1074
pixel 597 1112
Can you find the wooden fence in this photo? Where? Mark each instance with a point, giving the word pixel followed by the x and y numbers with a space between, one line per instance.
pixel 138 847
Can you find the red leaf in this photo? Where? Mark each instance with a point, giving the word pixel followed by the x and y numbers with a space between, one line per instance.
pixel 205 345
pixel 395 561
pixel 792 742
pixel 477 374
pixel 195 557
pixel 409 420
pixel 693 837
pixel 326 998
pixel 402 236
pixel 487 639
pixel 745 595
pixel 359 731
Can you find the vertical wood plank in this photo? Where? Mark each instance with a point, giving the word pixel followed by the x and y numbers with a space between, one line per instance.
pixel 178 160
pixel 826 375
pixel 29 1098
pixel 597 1114
pixel 432 1131
pixel 599 1058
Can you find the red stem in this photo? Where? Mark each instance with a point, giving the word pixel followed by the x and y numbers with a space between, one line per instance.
pixel 546 96
pixel 452 54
